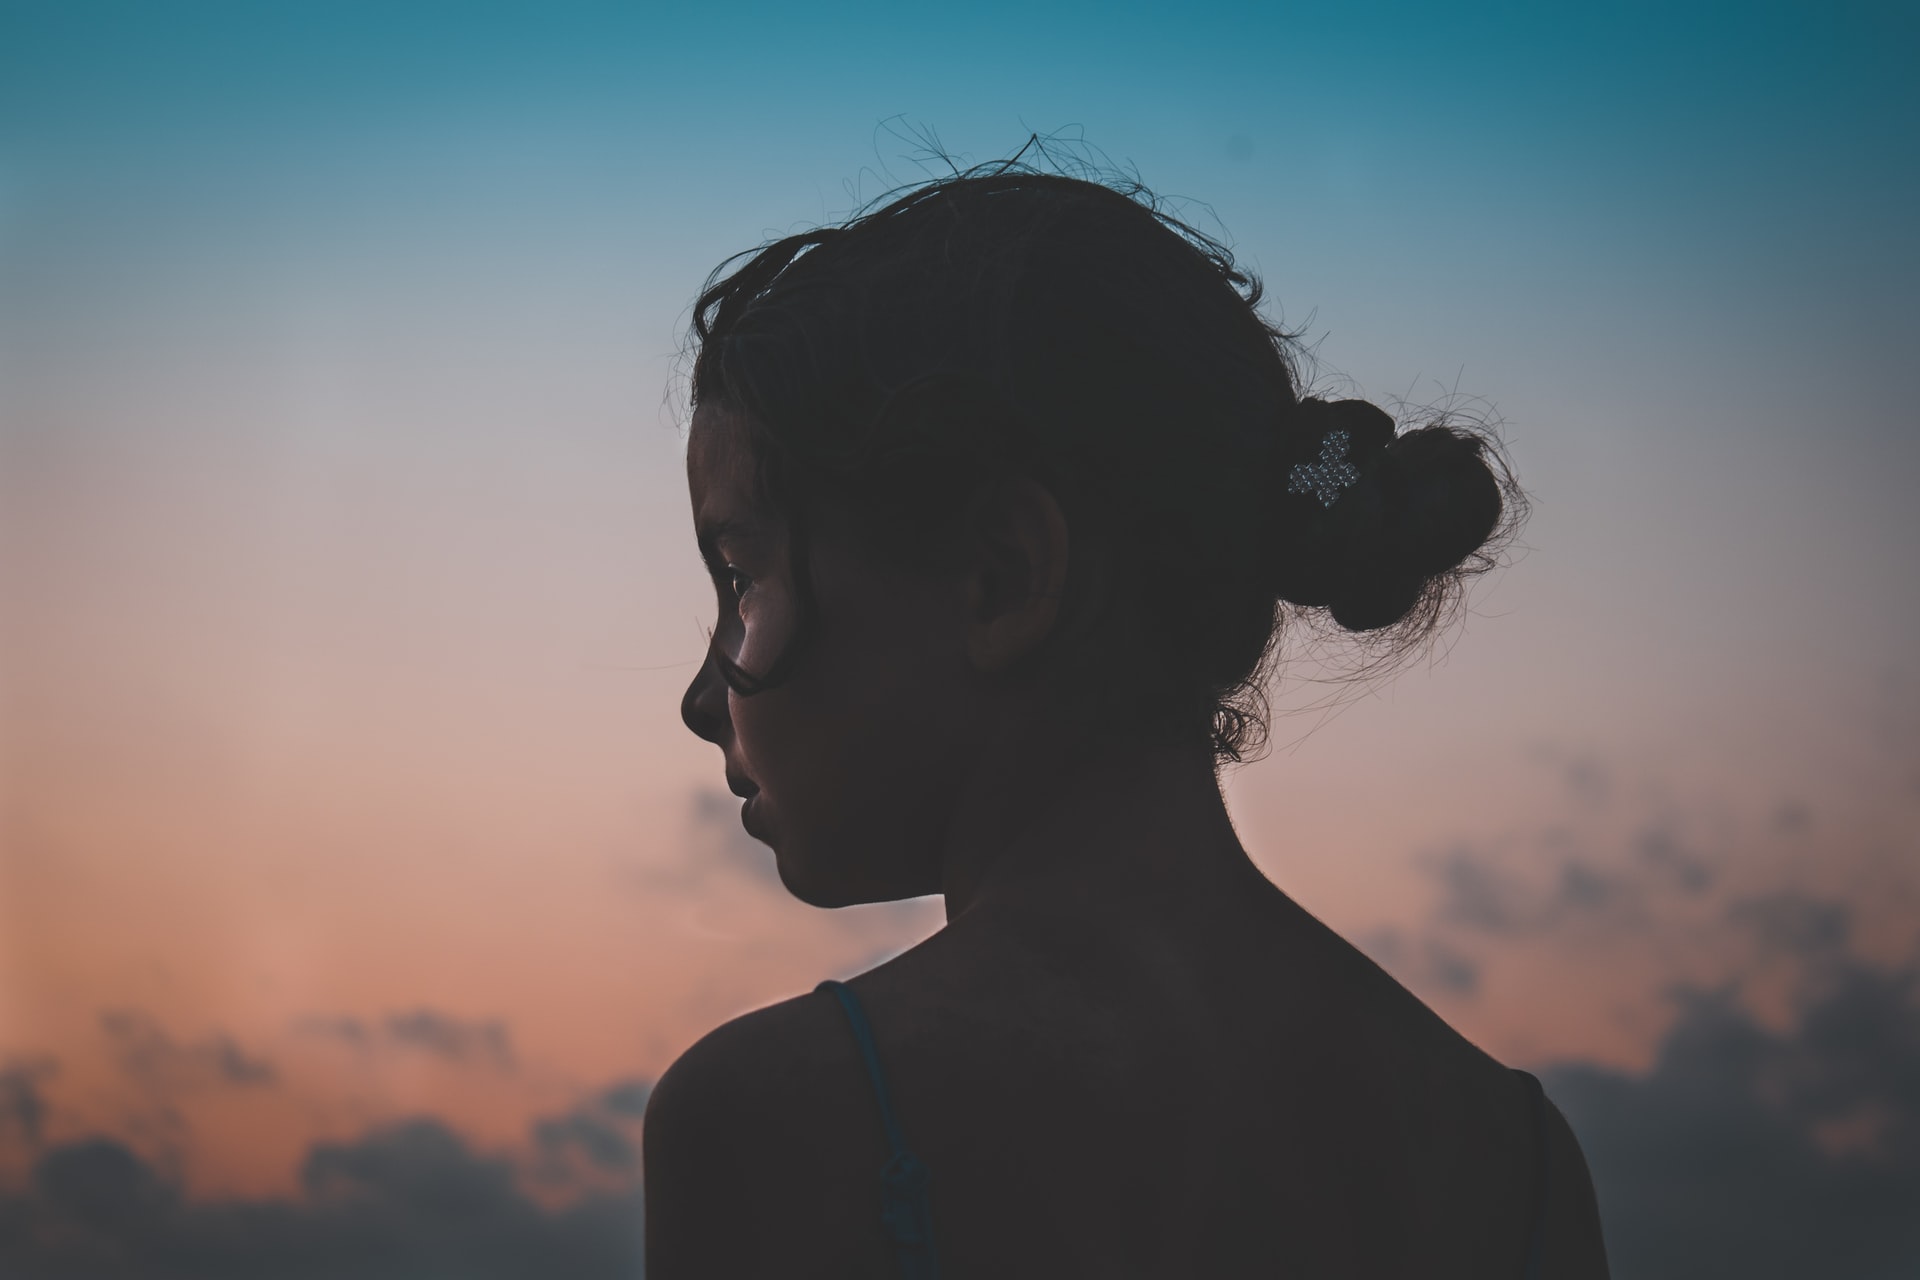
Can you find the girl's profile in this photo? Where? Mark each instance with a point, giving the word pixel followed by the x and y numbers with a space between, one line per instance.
pixel 1010 495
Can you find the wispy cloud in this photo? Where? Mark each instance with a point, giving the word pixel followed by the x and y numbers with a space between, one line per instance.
pixel 1422 961
pixel 593 1142
pixel 1631 885
pixel 149 1053
pixel 454 1039
pixel 462 1041
pixel 1550 881
pixel 23 1105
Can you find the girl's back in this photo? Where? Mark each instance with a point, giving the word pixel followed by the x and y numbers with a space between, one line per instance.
pixel 1163 1103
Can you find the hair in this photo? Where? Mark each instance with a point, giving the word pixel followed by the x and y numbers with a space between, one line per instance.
pixel 1008 320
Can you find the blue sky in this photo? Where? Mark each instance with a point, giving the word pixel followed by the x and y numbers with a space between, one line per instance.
pixel 1667 243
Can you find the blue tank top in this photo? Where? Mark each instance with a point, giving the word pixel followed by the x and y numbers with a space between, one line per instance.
pixel 906 1207
pixel 906 1212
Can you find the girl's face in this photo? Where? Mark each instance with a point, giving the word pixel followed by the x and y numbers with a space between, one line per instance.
pixel 850 766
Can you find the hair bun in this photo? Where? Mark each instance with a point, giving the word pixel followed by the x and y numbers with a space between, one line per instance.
pixel 1421 505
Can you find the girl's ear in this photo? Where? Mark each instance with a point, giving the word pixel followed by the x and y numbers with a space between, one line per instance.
pixel 1016 571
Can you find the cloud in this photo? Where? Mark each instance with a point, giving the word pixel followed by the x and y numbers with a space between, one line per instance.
pixel 345 1028
pixel 145 1051
pixel 1658 847
pixel 1762 1154
pixel 627 1098
pixel 1792 925
pixel 1776 1132
pixel 1587 777
pixel 463 1041
pixel 595 1141
pixel 100 1185
pixel 419 1165
pixel 601 1143
pixel 1558 885
pixel 1479 895
pixel 1792 817
pixel 401 1201
pixel 455 1039
pixel 23 1107
pixel 1476 895
pixel 410 1200
pixel 1422 963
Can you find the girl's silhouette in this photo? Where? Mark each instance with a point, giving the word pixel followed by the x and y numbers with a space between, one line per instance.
pixel 1007 490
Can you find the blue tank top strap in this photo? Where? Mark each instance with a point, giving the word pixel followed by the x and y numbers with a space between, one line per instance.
pixel 1542 1167
pixel 906 1211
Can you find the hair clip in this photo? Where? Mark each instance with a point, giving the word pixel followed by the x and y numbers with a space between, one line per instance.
pixel 1330 476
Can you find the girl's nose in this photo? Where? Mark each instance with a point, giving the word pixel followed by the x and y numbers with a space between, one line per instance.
pixel 703 708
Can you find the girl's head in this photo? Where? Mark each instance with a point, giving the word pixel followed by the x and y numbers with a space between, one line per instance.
pixel 1016 453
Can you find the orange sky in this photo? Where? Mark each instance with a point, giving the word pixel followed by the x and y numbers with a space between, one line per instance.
pixel 294 740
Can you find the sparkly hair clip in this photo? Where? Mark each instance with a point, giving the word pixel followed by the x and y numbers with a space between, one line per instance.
pixel 1330 476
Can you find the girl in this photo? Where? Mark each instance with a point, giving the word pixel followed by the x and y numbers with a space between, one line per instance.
pixel 1007 490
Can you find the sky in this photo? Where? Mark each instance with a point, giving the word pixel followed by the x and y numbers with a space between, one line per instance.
pixel 350 842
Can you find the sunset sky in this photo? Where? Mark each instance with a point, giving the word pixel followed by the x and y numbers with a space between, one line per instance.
pixel 348 590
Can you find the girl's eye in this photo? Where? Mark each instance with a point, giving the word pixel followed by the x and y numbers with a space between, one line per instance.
pixel 738 582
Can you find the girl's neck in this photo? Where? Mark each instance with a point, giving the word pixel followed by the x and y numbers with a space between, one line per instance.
pixel 1124 827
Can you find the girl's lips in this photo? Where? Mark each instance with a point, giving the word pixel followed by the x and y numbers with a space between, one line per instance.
pixel 741 787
